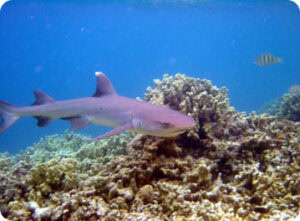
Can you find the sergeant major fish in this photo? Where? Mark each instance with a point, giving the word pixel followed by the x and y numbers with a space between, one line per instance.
pixel 106 108
pixel 267 59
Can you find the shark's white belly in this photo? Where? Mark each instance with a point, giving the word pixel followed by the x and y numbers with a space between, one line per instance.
pixel 110 118
pixel 103 121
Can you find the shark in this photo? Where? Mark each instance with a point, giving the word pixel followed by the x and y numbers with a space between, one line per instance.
pixel 105 108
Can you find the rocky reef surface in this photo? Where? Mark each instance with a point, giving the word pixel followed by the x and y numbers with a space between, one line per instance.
pixel 286 107
pixel 229 167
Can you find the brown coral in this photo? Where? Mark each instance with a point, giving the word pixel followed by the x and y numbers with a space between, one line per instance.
pixel 208 104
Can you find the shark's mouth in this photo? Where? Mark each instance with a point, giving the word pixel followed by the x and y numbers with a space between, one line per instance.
pixel 162 134
pixel 174 133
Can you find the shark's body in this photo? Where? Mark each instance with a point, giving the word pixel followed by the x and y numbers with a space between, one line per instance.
pixel 104 108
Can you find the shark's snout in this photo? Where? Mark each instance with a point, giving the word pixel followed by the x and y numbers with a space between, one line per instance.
pixel 182 124
pixel 186 122
pixel 163 122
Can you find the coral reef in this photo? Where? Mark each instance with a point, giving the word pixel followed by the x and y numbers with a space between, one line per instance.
pixel 5 161
pixel 286 107
pixel 52 176
pixel 75 146
pixel 295 89
pixel 64 145
pixel 289 108
pixel 198 98
pixel 230 167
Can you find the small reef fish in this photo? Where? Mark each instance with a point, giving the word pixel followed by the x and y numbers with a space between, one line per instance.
pixel 267 59
pixel 105 108
pixel 295 89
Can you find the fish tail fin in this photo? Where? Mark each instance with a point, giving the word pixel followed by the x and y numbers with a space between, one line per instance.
pixel 279 60
pixel 8 116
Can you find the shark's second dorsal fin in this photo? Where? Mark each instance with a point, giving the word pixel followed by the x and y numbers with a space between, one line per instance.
pixel 104 86
pixel 42 98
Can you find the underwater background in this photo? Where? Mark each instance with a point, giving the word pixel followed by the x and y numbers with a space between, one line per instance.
pixel 56 46
pixel 232 66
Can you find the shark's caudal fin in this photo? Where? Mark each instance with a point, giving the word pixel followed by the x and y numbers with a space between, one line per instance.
pixel 7 115
pixel 42 98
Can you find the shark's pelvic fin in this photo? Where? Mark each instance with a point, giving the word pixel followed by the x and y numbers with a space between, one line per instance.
pixel 43 121
pixel 77 122
pixel 104 86
pixel 42 98
pixel 115 131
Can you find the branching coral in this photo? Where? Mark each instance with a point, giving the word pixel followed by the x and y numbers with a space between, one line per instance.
pixel 52 176
pixel 75 146
pixel 54 146
pixel 103 151
pixel 208 104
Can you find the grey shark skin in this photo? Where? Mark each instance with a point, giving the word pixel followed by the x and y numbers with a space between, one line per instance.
pixel 104 108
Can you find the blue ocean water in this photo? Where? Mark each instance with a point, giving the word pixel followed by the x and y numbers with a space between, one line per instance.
pixel 56 46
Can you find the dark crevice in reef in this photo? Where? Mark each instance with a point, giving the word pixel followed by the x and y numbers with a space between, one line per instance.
pixel 202 134
pixel 226 170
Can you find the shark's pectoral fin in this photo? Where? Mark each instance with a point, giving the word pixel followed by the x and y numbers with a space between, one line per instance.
pixel 43 121
pixel 77 122
pixel 115 131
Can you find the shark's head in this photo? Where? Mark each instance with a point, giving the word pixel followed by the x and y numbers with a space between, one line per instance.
pixel 162 121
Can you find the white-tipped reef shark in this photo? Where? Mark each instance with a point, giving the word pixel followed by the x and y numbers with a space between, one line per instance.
pixel 105 108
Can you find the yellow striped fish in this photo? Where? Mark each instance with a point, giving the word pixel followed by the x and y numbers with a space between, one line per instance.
pixel 267 59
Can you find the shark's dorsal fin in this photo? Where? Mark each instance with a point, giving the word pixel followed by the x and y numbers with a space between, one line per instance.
pixel 42 98
pixel 104 86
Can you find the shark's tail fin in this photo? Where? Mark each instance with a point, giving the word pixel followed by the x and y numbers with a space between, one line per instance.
pixel 8 116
